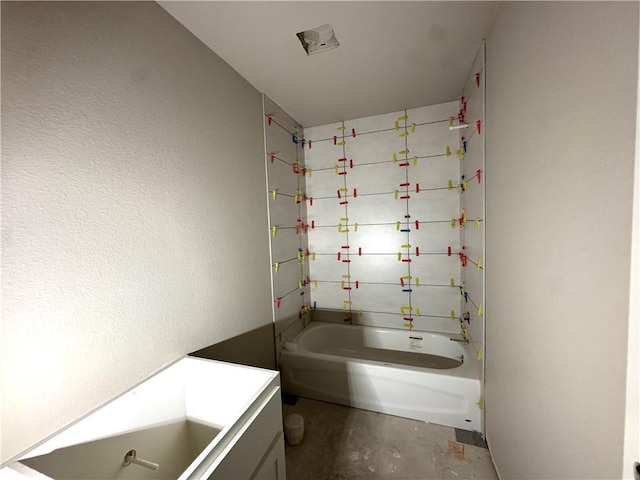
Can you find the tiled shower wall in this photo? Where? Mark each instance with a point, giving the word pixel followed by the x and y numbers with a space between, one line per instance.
pixel 383 208
pixel 287 221
pixel 473 169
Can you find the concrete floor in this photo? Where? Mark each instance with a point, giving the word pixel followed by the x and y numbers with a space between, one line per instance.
pixel 343 443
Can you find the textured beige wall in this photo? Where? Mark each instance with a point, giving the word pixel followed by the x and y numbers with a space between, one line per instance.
pixel 133 206
pixel 561 102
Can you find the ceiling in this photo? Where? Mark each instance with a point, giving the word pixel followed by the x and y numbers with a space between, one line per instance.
pixel 392 55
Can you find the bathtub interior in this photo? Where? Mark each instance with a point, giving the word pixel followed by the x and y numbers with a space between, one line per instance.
pixel 419 349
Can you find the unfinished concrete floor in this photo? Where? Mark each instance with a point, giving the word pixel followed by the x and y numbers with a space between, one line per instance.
pixel 343 443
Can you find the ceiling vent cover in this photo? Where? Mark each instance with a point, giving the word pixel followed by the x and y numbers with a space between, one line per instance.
pixel 318 39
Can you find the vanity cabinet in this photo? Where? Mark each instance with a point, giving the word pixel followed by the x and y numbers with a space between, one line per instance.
pixel 197 419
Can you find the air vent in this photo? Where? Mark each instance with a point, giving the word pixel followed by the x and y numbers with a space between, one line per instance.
pixel 319 39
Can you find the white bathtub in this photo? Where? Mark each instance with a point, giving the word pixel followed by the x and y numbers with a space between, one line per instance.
pixel 409 374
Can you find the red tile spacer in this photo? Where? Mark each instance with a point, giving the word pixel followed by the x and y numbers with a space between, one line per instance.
pixel 360 251
pixel 478 79
pixel 355 193
pixel 342 159
pixel 338 256
pixel 406 260
pixel 339 194
pixel 342 173
pixel 335 140
pixel 405 197
pixel 479 175
pixel 311 201
pixel 403 164
pixel 346 261
pixel 353 132
pixel 272 156
pixel 269 119
pixel 404 184
pixel 309 144
pixel 346 288
pixel 351 163
pixel 408 319
pixel 344 203
pixel 278 300
pixel 417 225
pixel 417 188
pixel 479 125
pixel 417 251
pixel 401 282
pixel 313 224
pixel 345 246
pixel 357 284
pixel 448 251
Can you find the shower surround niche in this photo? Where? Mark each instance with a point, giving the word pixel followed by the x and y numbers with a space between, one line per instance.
pixel 379 221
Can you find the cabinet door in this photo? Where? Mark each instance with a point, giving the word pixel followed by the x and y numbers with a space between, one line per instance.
pixel 272 466
pixel 252 442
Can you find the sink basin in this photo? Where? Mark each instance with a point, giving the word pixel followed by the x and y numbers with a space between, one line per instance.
pixel 183 418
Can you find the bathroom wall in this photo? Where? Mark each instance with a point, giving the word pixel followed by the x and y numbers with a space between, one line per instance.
pixel 133 206
pixel 561 113
pixel 383 208
pixel 286 173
